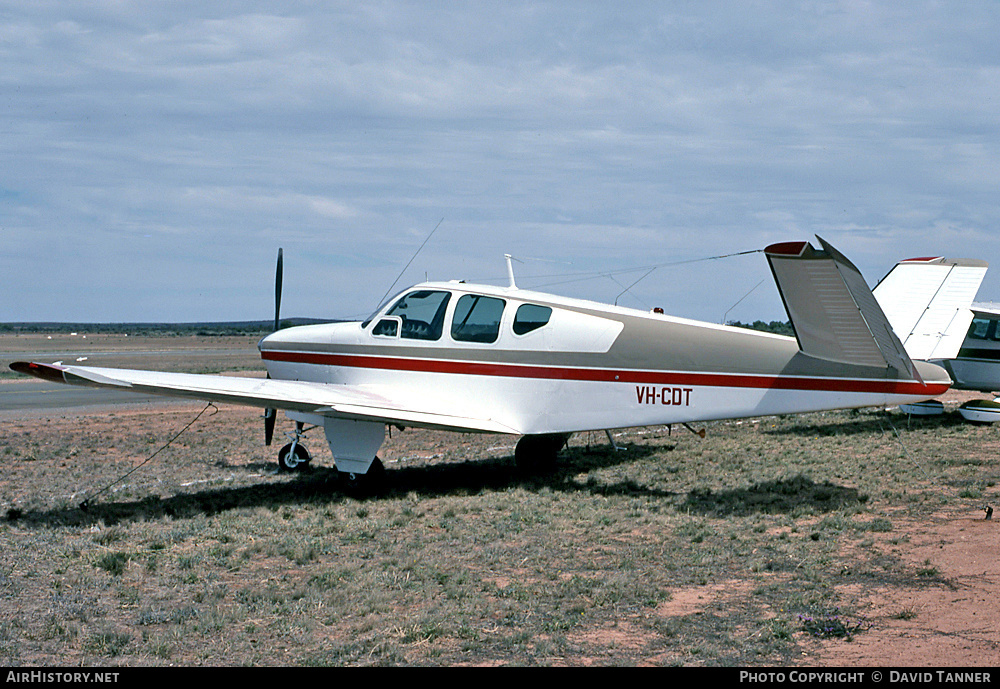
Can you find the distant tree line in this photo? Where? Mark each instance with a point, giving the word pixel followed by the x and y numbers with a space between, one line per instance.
pixel 776 327
pixel 207 329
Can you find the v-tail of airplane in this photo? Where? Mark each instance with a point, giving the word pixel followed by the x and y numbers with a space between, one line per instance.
pixel 930 304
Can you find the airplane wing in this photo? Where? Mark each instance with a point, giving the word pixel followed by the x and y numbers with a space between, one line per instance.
pixel 337 401
pixel 832 310
pixel 928 302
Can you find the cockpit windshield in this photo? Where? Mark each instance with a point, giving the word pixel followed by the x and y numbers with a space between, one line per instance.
pixel 377 311
pixel 421 314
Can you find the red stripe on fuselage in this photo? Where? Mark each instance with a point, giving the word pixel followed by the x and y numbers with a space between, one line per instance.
pixel 733 380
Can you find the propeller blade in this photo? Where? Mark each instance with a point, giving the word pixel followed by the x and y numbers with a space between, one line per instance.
pixel 277 292
pixel 270 415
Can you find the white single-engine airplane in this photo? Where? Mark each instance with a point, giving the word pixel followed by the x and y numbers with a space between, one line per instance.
pixel 929 303
pixel 475 358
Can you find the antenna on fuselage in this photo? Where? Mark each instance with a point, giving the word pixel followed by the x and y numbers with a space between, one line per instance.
pixel 411 260
pixel 510 270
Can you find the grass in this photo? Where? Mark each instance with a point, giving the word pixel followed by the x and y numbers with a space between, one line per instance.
pixel 208 557
pixel 833 625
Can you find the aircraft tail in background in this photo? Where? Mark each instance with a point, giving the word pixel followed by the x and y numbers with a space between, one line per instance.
pixel 928 302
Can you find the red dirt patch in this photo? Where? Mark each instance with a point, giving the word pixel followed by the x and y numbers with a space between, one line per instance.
pixel 949 618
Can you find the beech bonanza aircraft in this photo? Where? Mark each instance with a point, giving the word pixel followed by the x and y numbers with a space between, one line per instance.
pixel 928 302
pixel 477 358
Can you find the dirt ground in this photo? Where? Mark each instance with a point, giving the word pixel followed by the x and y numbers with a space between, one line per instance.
pixel 956 624
pixel 950 620
pixel 952 625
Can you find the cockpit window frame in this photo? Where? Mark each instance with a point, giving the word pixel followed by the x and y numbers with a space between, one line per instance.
pixel 397 323
pixel 381 307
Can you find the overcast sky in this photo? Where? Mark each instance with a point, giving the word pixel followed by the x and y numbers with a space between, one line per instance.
pixel 156 155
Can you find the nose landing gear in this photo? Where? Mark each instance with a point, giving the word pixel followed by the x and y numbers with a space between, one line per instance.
pixel 294 456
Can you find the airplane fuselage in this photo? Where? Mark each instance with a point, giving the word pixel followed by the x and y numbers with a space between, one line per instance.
pixel 539 364
pixel 977 366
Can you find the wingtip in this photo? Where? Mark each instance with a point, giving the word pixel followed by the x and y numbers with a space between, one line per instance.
pixel 48 372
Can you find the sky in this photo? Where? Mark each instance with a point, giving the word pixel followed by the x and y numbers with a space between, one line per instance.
pixel 155 156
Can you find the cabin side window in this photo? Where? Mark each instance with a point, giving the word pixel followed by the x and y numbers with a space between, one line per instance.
pixel 477 319
pixel 421 314
pixel 980 329
pixel 530 317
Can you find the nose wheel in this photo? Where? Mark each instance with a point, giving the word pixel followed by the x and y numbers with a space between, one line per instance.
pixel 294 456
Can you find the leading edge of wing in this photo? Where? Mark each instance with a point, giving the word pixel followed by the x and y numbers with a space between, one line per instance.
pixel 327 399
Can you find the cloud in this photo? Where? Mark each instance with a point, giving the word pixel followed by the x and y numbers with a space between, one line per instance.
pixel 191 140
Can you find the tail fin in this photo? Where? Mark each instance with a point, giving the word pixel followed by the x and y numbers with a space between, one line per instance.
pixel 832 310
pixel 928 300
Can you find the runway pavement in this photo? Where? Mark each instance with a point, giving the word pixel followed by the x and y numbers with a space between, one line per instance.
pixel 31 395
pixel 34 395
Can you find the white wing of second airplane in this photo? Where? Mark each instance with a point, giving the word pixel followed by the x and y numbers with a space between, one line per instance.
pixel 336 401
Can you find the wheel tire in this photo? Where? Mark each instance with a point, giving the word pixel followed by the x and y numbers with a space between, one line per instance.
pixel 371 482
pixel 293 461
pixel 537 453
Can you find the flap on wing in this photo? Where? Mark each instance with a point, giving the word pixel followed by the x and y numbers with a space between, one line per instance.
pixel 415 418
pixel 928 303
pixel 338 401
pixel 832 310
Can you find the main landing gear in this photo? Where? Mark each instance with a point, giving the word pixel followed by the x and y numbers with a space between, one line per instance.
pixel 371 482
pixel 537 453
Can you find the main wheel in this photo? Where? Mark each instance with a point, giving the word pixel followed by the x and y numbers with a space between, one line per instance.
pixel 289 460
pixel 535 453
pixel 371 482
